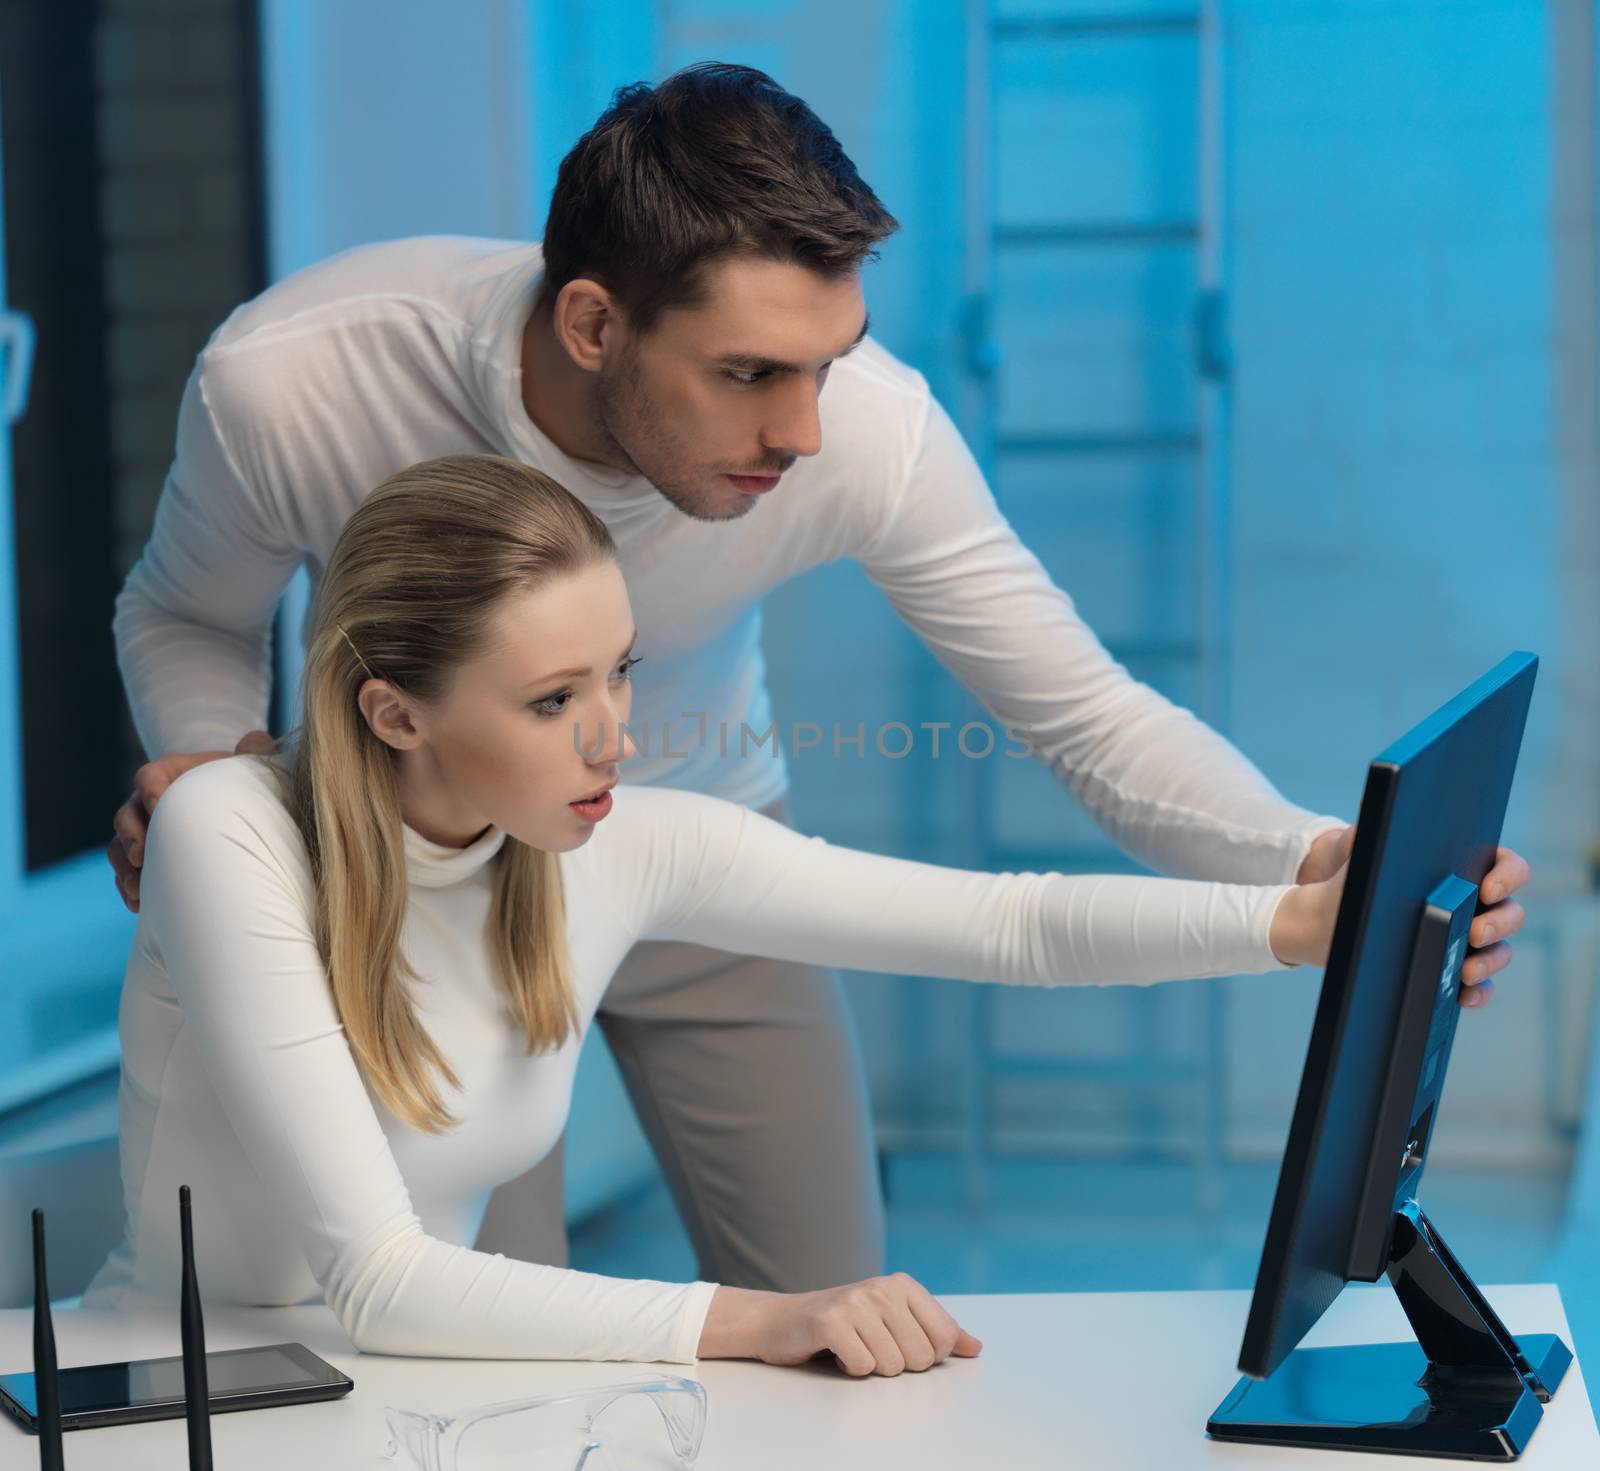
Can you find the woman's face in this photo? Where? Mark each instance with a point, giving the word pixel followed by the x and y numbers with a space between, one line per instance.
pixel 531 725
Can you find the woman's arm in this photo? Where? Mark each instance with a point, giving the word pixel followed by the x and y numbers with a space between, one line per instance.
pixel 714 873
pixel 228 898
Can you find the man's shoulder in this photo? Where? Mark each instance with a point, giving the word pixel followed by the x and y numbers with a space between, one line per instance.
pixel 874 413
pixel 876 374
pixel 438 274
pixel 314 364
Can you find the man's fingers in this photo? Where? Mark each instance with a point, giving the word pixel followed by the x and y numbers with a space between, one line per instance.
pixel 150 781
pixel 130 824
pixel 132 820
pixel 967 1347
pixel 1498 923
pixel 1473 997
pixel 117 853
pixel 127 876
pixel 1482 964
pixel 1510 873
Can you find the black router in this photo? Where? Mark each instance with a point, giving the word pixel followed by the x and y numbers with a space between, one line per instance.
pixel 50 1400
pixel 196 1397
pixel 47 1376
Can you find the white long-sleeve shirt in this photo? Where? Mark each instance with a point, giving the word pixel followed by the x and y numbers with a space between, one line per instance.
pixel 309 396
pixel 238 1081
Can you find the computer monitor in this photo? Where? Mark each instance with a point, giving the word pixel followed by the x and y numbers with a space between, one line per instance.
pixel 1346 1207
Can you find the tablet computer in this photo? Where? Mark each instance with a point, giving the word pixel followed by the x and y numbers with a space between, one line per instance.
pixel 152 1389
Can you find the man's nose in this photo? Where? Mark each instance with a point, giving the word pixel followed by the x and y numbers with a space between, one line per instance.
pixel 796 429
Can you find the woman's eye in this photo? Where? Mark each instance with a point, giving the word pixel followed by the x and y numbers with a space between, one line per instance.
pixel 556 703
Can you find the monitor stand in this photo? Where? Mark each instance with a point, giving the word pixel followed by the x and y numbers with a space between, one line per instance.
pixel 1465 1388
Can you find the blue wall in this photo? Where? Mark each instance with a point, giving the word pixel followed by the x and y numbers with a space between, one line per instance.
pixel 1402 480
pixel 1406 229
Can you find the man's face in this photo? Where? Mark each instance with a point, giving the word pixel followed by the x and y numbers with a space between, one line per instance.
pixel 730 388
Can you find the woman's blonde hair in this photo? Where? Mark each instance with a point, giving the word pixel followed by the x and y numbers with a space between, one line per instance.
pixel 407 595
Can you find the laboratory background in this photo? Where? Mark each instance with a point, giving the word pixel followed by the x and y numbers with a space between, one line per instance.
pixel 1276 327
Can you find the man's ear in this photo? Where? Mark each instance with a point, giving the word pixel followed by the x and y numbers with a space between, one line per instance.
pixel 389 715
pixel 587 322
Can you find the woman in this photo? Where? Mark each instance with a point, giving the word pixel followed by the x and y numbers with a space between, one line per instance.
pixel 364 967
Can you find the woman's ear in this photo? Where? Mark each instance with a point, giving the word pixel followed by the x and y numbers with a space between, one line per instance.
pixel 389 715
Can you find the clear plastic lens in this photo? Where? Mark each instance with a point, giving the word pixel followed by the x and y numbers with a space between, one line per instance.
pixel 653 1425
pixel 666 1427
pixel 628 1434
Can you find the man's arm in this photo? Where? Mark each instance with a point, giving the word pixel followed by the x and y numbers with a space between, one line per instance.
pixel 194 620
pixel 1166 788
pixel 193 624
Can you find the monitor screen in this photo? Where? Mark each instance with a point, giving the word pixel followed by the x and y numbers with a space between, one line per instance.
pixel 1427 834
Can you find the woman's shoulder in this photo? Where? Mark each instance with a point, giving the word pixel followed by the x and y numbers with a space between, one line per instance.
pixel 232 782
pixel 657 813
pixel 658 842
pixel 242 799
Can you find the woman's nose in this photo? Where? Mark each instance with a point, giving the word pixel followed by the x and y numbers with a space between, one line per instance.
pixel 623 747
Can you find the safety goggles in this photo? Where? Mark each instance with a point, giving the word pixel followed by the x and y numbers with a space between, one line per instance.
pixel 640 1425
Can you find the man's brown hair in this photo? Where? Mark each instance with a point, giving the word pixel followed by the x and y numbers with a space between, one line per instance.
pixel 716 161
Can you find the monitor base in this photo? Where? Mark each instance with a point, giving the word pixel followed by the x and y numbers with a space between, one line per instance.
pixel 1465 1389
pixel 1369 1398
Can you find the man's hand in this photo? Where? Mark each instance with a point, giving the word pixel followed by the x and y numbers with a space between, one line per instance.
pixel 1324 867
pixel 126 849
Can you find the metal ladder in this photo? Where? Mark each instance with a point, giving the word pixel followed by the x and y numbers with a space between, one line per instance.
pixel 1202 1076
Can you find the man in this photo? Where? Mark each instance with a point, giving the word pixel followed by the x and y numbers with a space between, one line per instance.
pixel 664 356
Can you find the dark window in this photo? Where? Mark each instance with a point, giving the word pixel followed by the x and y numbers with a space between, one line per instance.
pixel 133 225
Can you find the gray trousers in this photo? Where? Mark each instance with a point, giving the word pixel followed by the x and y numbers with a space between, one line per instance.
pixel 748 1082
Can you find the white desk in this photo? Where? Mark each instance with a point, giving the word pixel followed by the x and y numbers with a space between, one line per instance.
pixel 1098 1381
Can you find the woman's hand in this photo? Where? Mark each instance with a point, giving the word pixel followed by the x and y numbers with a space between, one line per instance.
pixel 881 1326
pixel 1302 924
pixel 1302 927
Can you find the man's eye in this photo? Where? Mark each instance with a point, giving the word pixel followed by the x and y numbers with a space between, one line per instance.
pixel 748 378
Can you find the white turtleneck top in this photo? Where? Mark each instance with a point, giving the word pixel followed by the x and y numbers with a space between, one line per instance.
pixel 238 1081
pixel 309 396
